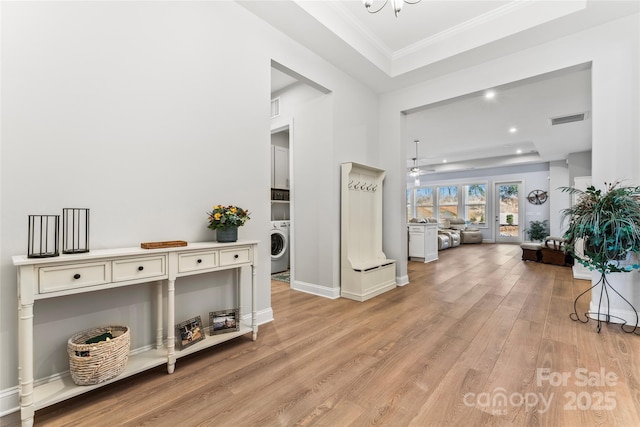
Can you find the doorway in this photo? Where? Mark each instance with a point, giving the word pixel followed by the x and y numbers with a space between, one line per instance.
pixel 281 190
pixel 508 218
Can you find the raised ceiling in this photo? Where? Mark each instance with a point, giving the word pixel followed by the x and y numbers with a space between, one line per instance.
pixel 513 127
pixel 435 37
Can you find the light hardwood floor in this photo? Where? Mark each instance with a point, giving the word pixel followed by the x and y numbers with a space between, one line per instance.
pixel 476 326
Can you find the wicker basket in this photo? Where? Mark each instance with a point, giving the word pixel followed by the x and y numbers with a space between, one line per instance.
pixel 94 363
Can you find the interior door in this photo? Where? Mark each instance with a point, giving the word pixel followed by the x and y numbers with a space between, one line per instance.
pixel 508 218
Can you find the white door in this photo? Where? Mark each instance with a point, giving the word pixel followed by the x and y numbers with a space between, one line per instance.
pixel 508 220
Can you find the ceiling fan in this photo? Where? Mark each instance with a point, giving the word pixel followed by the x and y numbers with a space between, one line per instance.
pixel 415 171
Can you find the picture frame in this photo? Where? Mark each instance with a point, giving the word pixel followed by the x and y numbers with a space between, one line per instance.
pixel 189 332
pixel 224 321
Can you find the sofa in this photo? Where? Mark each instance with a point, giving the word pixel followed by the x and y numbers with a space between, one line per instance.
pixel 452 232
pixel 466 234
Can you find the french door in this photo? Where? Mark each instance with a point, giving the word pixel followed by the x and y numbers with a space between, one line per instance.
pixel 508 221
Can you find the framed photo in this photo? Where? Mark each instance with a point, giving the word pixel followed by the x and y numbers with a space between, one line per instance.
pixel 189 332
pixel 224 321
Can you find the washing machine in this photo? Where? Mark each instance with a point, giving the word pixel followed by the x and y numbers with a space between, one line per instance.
pixel 280 246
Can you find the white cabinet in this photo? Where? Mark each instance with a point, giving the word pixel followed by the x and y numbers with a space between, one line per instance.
pixel 279 167
pixel 423 242
pixel 41 278
pixel 365 271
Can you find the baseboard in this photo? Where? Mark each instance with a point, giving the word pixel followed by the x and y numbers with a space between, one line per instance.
pixel 618 316
pixel 582 274
pixel 262 317
pixel 9 401
pixel 402 280
pixel 371 294
pixel 321 291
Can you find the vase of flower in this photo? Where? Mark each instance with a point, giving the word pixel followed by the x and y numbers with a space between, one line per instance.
pixel 227 235
pixel 226 220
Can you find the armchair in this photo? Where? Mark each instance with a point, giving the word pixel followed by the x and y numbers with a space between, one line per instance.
pixel 467 234
pixel 553 251
pixel 446 229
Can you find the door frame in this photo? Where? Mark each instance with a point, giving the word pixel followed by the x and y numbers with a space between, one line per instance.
pixel 496 209
pixel 279 125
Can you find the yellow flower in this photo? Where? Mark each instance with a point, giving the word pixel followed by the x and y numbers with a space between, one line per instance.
pixel 224 216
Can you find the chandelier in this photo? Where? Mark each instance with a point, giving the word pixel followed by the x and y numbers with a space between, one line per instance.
pixel 396 4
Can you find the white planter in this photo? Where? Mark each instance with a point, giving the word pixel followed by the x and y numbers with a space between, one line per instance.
pixel 628 286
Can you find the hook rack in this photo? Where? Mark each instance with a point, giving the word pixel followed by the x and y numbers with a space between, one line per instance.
pixel 363 186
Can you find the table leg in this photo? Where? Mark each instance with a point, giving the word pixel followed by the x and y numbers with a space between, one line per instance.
pixel 159 318
pixel 254 315
pixel 171 339
pixel 25 368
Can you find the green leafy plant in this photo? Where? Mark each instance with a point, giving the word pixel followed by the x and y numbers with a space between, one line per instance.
pixel 510 219
pixel 227 217
pixel 538 230
pixel 608 221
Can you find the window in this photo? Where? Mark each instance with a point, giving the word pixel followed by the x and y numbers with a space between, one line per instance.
pixel 468 201
pixel 424 202
pixel 475 207
pixel 448 202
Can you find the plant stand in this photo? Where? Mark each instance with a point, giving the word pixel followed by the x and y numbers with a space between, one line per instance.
pixel 604 292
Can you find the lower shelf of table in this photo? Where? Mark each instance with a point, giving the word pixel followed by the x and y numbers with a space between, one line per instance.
pixel 64 388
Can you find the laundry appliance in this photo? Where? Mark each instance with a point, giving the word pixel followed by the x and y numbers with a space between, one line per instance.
pixel 280 246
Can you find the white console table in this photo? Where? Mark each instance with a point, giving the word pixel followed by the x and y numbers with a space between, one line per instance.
pixel 40 278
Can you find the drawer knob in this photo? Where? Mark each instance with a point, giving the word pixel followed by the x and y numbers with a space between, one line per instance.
pixel 199 261
pixel 236 256
pixel 76 276
pixel 140 268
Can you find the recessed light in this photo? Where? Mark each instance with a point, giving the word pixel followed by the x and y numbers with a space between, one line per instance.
pixel 489 94
pixel 444 161
pixel 513 129
pixel 519 151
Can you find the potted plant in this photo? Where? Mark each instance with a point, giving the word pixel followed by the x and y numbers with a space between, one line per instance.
pixel 608 224
pixel 538 230
pixel 226 220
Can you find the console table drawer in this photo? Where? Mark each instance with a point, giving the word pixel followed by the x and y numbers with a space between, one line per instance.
pixel 139 268
pixel 51 279
pixel 235 256
pixel 197 261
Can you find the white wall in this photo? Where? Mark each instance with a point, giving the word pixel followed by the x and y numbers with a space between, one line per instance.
pixel 558 200
pixel 613 51
pixel 579 165
pixel 148 113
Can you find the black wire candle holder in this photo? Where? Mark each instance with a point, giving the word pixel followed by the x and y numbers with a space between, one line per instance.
pixel 599 315
pixel 75 230
pixel 44 236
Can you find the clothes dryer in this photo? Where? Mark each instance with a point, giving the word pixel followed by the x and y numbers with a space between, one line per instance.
pixel 280 246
